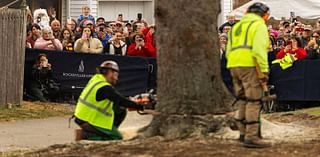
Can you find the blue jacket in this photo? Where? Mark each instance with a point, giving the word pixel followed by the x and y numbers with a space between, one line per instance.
pixel 82 17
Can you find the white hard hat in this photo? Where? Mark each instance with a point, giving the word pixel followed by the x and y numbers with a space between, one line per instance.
pixel 110 64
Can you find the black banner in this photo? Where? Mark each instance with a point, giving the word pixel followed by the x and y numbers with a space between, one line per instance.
pixel 73 70
pixel 298 83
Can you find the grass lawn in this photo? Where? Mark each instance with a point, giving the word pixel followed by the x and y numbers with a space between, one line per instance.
pixel 34 110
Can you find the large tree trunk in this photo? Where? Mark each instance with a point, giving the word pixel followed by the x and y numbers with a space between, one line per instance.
pixel 190 89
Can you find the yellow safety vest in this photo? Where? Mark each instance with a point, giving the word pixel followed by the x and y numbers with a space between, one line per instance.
pixel 240 42
pixel 96 113
pixel 287 61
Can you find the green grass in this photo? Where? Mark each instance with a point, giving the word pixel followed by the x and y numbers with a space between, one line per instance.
pixel 312 111
pixel 38 112
pixel 315 111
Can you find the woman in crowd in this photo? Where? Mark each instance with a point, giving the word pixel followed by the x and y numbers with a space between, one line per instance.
pixel 41 85
pixel 225 73
pixel 140 48
pixel 117 46
pixel 313 46
pixel 67 40
pixel 35 34
pixel 71 25
pixel 88 44
pixel 293 47
pixel 47 41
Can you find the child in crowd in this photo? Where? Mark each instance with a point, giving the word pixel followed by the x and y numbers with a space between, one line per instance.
pixel 86 15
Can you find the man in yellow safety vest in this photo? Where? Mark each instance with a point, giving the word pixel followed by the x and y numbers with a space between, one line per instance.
pixel 247 60
pixel 100 108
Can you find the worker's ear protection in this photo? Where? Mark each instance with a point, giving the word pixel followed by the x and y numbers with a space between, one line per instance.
pixel 102 70
pixel 266 16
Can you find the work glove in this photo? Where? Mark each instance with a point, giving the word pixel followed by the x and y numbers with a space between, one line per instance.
pixel 264 78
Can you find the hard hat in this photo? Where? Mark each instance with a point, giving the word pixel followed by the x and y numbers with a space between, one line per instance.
pixel 258 8
pixel 110 65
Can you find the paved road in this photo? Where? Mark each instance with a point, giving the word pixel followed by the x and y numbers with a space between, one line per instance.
pixel 45 132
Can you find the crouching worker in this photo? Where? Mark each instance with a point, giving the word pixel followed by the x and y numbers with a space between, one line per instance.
pixel 100 108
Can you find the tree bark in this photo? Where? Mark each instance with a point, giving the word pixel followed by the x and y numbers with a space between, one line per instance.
pixel 190 89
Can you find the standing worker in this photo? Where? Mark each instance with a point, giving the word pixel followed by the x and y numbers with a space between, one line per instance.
pixel 100 108
pixel 247 60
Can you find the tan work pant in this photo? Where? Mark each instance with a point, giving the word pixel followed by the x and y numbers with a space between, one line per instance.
pixel 248 88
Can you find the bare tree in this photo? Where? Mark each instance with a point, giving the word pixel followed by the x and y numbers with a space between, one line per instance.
pixel 190 89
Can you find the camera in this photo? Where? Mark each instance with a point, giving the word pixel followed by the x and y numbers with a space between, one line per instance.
pixel 139 15
pixel 280 43
pixel 38 19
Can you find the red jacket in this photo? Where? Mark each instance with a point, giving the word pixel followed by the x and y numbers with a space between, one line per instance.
pixel 147 51
pixel 31 41
pixel 150 39
pixel 300 53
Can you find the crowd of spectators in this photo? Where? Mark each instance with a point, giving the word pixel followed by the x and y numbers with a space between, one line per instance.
pixel 87 35
pixel 291 36
pixel 82 35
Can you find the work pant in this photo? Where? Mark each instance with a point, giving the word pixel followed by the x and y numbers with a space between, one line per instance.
pixel 91 132
pixel 248 89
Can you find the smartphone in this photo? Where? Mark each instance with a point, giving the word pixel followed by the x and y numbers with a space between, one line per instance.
pixel 84 36
pixel 50 35
pixel 299 29
pixel 139 15
pixel 45 63
pixel 292 14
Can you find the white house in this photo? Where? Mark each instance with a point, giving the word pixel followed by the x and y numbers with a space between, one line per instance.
pixel 226 7
pixel 109 9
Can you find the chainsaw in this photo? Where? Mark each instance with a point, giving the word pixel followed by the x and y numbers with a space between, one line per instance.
pixel 148 100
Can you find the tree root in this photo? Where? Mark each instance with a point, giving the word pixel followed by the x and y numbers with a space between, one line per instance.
pixel 184 126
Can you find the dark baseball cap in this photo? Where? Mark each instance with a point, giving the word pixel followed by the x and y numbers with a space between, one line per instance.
pixel 100 18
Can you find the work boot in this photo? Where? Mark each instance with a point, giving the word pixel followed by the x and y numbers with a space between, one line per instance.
pixel 78 134
pixel 256 144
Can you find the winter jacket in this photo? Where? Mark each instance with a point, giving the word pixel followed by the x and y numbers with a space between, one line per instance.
pixel 31 41
pixel 82 17
pixel 147 51
pixel 123 46
pixel 48 44
pixel 300 53
pixel 92 45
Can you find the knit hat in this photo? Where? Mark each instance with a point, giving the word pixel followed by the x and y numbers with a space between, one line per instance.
pixel 87 22
pixel 223 35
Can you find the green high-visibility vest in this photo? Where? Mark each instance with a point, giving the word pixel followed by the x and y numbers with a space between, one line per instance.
pixel 241 40
pixel 96 113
